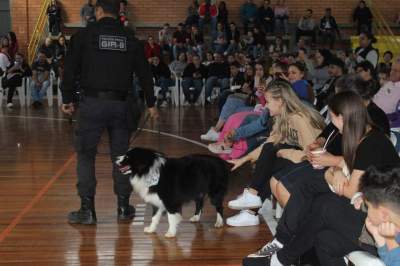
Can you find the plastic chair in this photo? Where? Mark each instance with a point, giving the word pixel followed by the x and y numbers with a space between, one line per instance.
pixel 59 94
pixel 177 95
pixel 394 118
pixel 20 90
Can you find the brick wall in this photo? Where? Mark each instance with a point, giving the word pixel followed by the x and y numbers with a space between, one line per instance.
pixel 157 12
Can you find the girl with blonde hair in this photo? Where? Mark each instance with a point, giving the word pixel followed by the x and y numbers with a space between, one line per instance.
pixel 295 126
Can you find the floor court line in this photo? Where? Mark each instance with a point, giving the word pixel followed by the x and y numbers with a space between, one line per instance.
pixel 143 129
pixel 7 231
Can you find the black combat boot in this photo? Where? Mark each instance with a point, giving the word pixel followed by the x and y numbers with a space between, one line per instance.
pixel 86 214
pixel 125 211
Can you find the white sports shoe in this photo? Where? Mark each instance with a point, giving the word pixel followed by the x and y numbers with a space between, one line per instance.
pixel 218 148
pixel 246 201
pixel 211 135
pixel 244 218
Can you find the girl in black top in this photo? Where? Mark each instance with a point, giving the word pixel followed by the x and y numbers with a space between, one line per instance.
pixel 284 182
pixel 332 225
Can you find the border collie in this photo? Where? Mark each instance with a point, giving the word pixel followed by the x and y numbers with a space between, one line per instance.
pixel 168 183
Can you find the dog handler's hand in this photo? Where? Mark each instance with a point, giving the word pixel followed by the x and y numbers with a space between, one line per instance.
pixel 153 113
pixel 68 108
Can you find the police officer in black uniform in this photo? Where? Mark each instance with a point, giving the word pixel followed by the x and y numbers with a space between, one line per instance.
pixel 103 58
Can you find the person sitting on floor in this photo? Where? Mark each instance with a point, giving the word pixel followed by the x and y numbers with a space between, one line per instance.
pixel 243 100
pixel 296 125
pixel 381 192
pixel 314 207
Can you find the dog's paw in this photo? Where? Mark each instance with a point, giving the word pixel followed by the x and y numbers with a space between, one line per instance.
pixel 149 230
pixel 219 224
pixel 220 221
pixel 195 218
pixel 170 235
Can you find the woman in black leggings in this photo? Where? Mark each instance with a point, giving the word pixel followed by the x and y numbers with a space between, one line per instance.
pixel 14 75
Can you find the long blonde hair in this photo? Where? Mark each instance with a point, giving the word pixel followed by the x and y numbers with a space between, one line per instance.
pixel 291 105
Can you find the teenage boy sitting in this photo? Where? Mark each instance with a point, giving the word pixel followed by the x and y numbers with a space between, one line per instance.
pixel 381 190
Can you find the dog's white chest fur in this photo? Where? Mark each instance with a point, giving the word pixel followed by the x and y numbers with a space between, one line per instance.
pixel 141 184
pixel 142 189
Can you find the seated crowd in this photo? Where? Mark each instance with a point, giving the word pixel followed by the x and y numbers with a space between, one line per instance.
pixel 14 67
pixel 314 121
pixel 311 120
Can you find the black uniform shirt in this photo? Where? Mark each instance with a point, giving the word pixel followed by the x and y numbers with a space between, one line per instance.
pixel 103 57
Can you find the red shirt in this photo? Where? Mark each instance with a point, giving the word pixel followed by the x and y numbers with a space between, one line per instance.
pixel 213 10
pixel 154 51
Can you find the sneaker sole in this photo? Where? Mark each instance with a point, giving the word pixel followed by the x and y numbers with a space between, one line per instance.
pixel 237 225
pixel 244 208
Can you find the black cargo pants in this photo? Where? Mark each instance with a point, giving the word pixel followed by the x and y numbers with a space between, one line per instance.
pixel 94 117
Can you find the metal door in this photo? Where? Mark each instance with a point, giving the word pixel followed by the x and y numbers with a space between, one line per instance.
pixel 5 17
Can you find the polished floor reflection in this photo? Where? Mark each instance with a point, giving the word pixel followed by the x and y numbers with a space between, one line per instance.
pixel 37 190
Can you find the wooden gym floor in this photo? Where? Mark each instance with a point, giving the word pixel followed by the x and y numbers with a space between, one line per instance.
pixel 37 190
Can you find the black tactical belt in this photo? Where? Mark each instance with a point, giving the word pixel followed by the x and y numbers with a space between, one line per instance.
pixel 107 95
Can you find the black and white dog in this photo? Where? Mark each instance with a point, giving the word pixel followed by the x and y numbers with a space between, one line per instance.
pixel 168 183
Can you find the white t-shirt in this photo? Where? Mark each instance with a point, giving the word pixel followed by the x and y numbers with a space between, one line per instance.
pixel 372 57
pixel 4 62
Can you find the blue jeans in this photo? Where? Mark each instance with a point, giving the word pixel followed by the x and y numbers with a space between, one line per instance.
pixel 213 81
pixel 232 106
pixel 213 22
pixel 192 95
pixel 176 50
pixel 164 84
pixel 258 51
pixel 281 25
pixel 196 49
pixel 232 48
pixel 39 91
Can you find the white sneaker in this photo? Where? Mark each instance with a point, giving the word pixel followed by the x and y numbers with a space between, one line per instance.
pixel 244 218
pixel 268 250
pixel 246 201
pixel 266 211
pixel 10 105
pixel 218 148
pixel 211 135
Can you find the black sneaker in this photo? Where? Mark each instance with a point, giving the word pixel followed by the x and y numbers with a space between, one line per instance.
pixel 268 250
